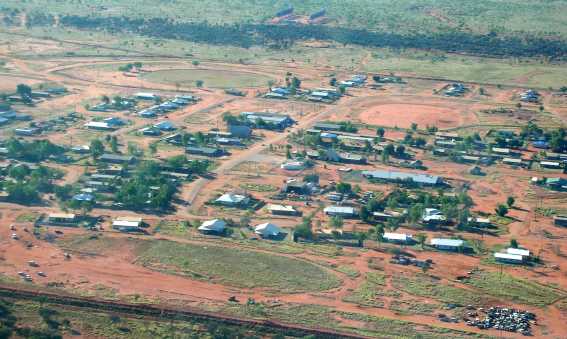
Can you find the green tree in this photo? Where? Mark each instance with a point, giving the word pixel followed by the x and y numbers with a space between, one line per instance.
pixel 421 238
pixel 97 148
pixel 199 83
pixel 336 222
pixel 153 148
pixel 343 187
pixel 413 126
pixel 514 243
pixel 195 63
pixel 510 202
pixel 379 234
pixel 114 144
pixel 360 237
pixel 24 91
pixel 501 210
pixel 380 131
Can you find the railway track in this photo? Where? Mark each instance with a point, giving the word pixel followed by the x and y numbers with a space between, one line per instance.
pixel 161 312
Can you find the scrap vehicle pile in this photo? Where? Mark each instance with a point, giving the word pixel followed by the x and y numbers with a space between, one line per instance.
pixel 504 319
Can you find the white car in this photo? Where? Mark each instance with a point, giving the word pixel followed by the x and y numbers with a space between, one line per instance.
pixel 14 236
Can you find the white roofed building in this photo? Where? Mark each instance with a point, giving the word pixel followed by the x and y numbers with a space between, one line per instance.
pixel 268 230
pixel 213 226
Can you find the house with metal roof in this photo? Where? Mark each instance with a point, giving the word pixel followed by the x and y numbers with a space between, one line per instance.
pixel 322 126
pixel 560 220
pixel 215 226
pixel 341 211
pixel 62 219
pixel 394 176
pixel 100 126
pixel 165 126
pixel 128 224
pixel 447 244
pixel 283 210
pixel 204 151
pixel 116 159
pixel 83 197
pixel 508 258
pixel 398 238
pixel 268 230
pixel 519 251
pixel 233 200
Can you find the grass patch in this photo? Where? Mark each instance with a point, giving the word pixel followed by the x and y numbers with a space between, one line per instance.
pixel 409 307
pixel 93 244
pixel 258 187
pixel 397 329
pixel 211 78
pixel 27 217
pixel 507 287
pixel 369 293
pixel 236 267
pixel 350 271
pixel 426 286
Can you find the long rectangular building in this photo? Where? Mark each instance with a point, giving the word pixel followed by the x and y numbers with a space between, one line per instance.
pixel 422 179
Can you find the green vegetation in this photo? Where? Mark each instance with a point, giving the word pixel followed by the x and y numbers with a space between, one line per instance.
pixel 522 291
pixel 407 16
pixel 240 268
pixel 258 187
pixel 50 321
pixel 396 329
pixel 350 271
pixel 413 307
pixel 211 78
pixel 28 183
pixel 426 286
pixel 370 291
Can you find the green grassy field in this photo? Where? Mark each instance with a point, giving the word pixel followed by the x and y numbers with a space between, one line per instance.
pixel 240 268
pixel 505 286
pixel 529 73
pixel 369 293
pixel 425 286
pixel 211 78
pixel 406 16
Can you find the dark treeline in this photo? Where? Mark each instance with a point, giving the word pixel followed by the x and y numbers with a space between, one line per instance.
pixel 282 36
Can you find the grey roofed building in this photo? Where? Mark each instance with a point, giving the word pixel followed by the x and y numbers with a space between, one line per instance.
pixel 447 244
pixel 116 159
pixel 213 226
pixel 240 131
pixel 340 211
pixel 165 125
pixel 423 179
pixel 281 121
pixel 322 126
pixel 205 151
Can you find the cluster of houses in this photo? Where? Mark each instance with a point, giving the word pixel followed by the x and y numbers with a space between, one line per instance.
pixel 513 256
pixel 264 230
pixel 325 95
pixel 165 106
pixel 107 124
pixel 530 96
pixel 267 120
pixel 480 154
pixel 38 96
pixel 115 104
pixel 356 80
pixel 57 124
pixel 8 115
pixel 158 128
